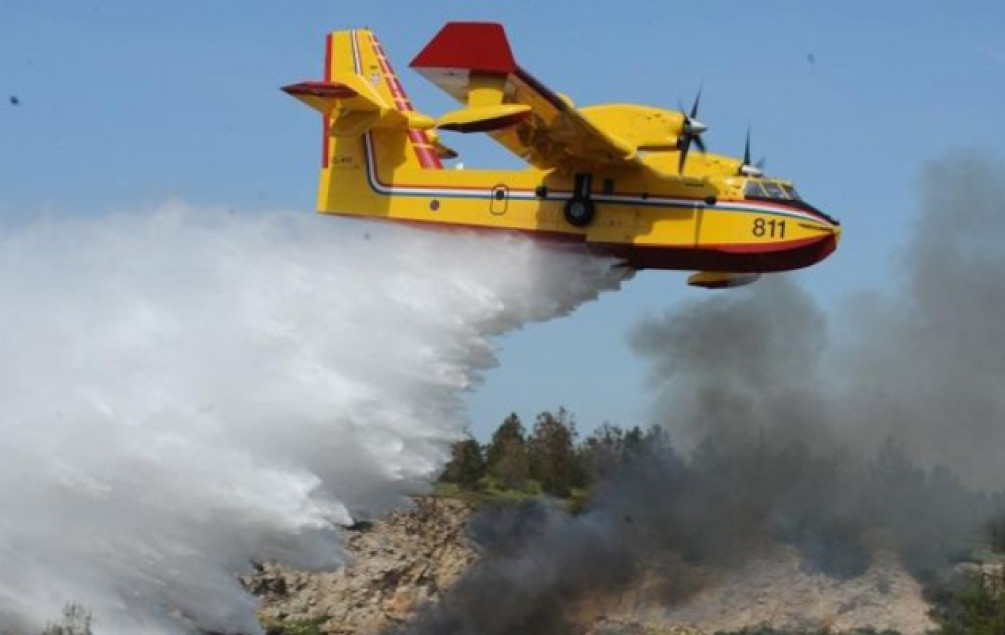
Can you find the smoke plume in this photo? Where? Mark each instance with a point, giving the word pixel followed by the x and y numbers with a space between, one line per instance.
pixel 927 365
pixel 876 428
pixel 184 390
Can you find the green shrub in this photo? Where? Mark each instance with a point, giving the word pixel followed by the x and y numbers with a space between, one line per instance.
pixel 971 604
pixel 309 626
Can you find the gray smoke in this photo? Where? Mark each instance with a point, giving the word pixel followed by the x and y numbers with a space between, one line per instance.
pixel 928 364
pixel 877 427
pixel 778 454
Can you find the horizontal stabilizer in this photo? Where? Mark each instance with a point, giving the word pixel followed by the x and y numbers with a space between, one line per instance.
pixel 721 279
pixel 355 106
pixel 321 96
pixel 320 89
pixel 346 92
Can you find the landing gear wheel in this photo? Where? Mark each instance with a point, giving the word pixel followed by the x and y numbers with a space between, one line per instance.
pixel 579 211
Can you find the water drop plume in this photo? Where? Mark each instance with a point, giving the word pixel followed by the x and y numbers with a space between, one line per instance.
pixel 183 390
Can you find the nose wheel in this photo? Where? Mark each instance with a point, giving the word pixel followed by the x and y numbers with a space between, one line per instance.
pixel 580 210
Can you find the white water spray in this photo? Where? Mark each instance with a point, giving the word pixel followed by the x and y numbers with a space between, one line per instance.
pixel 183 391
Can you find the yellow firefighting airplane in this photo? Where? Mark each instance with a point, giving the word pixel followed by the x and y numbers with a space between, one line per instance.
pixel 617 177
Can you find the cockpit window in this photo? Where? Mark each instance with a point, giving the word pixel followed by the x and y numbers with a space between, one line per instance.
pixel 791 191
pixel 753 189
pixel 774 190
pixel 766 189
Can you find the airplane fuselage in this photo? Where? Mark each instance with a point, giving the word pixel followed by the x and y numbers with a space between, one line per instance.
pixel 690 224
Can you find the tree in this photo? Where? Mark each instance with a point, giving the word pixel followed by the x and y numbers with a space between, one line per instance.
pixel 601 453
pixel 610 448
pixel 553 459
pixel 506 457
pixel 634 445
pixel 969 604
pixel 466 466
pixel 996 530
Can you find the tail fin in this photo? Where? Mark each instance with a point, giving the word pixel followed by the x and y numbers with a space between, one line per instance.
pixel 360 93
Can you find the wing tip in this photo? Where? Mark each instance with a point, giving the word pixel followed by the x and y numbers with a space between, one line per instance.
pixel 321 89
pixel 473 46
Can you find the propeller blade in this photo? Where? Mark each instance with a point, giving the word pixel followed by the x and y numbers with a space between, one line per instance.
pixel 683 154
pixel 746 149
pixel 760 163
pixel 691 132
pixel 697 100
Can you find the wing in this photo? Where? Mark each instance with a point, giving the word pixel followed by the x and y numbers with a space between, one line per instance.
pixel 473 63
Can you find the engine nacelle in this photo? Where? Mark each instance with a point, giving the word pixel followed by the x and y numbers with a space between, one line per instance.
pixel 641 127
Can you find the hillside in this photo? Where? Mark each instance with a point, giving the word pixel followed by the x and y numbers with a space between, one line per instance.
pixel 413 557
pixel 396 564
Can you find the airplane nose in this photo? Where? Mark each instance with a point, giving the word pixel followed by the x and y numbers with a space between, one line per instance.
pixel 832 223
pixel 830 234
pixel 835 227
pixel 829 244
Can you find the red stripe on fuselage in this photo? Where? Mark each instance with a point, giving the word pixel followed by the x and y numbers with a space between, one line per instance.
pixel 732 258
pixel 418 138
pixel 755 248
pixel 786 207
pixel 326 120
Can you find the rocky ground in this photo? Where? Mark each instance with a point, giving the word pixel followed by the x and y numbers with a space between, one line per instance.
pixel 776 591
pixel 396 565
pixel 412 557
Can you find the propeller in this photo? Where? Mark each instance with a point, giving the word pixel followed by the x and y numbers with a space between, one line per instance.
pixel 747 168
pixel 690 132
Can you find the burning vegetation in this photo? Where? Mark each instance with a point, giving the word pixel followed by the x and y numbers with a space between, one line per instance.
pixel 843 438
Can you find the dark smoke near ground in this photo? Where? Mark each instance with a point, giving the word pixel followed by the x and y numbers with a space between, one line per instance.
pixel 878 427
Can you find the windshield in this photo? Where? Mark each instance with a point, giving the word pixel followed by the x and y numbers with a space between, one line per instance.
pixel 791 191
pixel 774 190
pixel 754 190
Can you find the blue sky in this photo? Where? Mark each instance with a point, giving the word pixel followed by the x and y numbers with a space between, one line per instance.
pixel 130 103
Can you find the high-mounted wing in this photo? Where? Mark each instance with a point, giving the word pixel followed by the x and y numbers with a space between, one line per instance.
pixel 473 63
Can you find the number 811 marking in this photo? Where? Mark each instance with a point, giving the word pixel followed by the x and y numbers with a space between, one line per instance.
pixel 769 228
